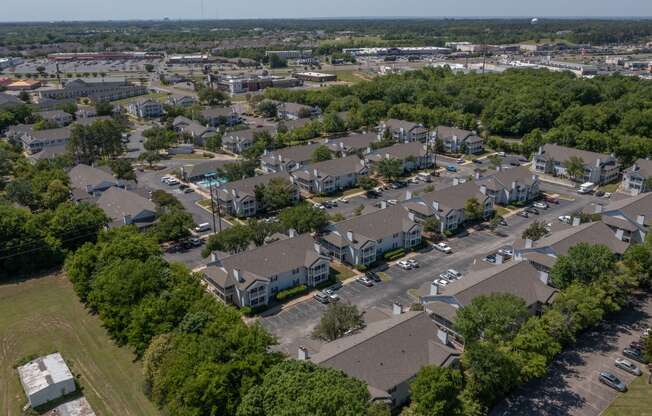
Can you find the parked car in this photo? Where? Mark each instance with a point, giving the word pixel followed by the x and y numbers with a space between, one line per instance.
pixel 477 161
pixel 203 227
pixel 334 297
pixel 567 219
pixel 319 206
pixel 451 168
pixel 551 199
pixel 628 366
pixel 188 191
pixel 506 252
pixel 490 258
pixel 634 354
pixel 503 222
pixel 532 210
pixel 404 264
pixel 196 242
pixel 413 263
pixel 373 276
pixel 454 272
pixel 612 381
pixel 446 276
pixel 460 161
pixel 322 297
pixel 444 248
pixel 365 281
pixel 540 205
pixel 599 194
pixel 335 286
pixel 523 214
pixel 441 282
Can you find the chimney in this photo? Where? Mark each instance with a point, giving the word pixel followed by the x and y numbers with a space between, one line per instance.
pixel 598 162
pixel 302 354
pixel 234 193
pixel 540 152
pixel 368 150
pixel 292 232
pixel 317 248
pixel 408 195
pixel 640 220
pixel 543 276
pixel 127 219
pixel 387 156
pixel 443 336
pixel 528 243
pixel 315 173
pixel 350 236
pixel 597 209
pixel 411 216
pixel 576 221
pixel 499 259
pixel 341 145
pixel 483 189
pixel 214 257
pixel 236 275
pixel 535 178
pixel 264 152
pixel 434 288
pixel 383 204
pixel 435 206
pixel 397 308
pixel 619 234
pixel 513 184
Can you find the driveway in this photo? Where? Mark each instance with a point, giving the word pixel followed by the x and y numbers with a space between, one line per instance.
pixel 571 386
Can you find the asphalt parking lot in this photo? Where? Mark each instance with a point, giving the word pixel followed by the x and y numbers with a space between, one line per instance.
pixel 571 386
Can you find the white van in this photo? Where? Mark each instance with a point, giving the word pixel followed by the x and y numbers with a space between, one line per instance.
pixel 203 227
pixel 586 188
pixel 422 176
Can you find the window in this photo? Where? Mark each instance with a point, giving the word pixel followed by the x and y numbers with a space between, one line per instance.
pixel 274 278
pixel 295 271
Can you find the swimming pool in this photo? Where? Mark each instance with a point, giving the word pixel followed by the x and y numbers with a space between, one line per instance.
pixel 207 183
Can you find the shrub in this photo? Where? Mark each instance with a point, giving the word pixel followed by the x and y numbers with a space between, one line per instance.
pixel 361 267
pixel 394 254
pixel 292 292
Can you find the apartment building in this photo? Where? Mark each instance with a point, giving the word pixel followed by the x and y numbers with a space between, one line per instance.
pixel 353 144
pixel 638 178
pixel 294 111
pixel 364 239
pixel 105 89
pixel 404 131
pixel 240 140
pixel 34 141
pixel 331 175
pixel 193 129
pixel 629 217
pixel 58 117
pixel 447 205
pixel 252 278
pixel 454 140
pixel 413 156
pixel 127 208
pixel 599 168
pixel 511 186
pixel 184 101
pixel 238 198
pixel 220 116
pixel 145 108
pixel 288 159
pixel 88 182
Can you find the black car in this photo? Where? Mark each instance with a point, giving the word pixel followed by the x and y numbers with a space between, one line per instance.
pixel 634 354
pixel 532 210
pixel 503 222
pixel 477 161
pixel 373 276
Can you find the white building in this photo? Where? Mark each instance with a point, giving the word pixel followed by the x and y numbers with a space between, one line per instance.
pixel 45 379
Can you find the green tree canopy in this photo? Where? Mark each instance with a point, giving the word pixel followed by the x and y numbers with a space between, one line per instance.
pixel 338 319
pixel 390 169
pixel 495 317
pixel 303 218
pixel 583 263
pixel 321 153
pixel 231 240
pixel 435 391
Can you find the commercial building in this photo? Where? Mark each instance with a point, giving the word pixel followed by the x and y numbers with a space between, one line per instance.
pixel 315 76
pixel 598 168
pixel 638 178
pixel 242 84
pixel 24 85
pixel 364 239
pixel 401 51
pixel 104 56
pixel 292 54
pixel 109 89
pixel 46 379
pixel 331 175
pixel 253 277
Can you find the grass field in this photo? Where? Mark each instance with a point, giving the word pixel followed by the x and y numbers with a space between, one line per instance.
pixel 636 402
pixel 157 96
pixel 341 272
pixel 350 75
pixel 43 315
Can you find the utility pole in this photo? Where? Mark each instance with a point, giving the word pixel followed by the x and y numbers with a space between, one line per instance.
pixel 211 184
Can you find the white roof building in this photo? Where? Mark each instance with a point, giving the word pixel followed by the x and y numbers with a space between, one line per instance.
pixel 45 379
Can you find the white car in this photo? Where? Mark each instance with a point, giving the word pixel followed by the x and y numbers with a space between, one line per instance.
pixel 628 366
pixel 447 276
pixel 565 219
pixel 334 297
pixel 540 205
pixel 343 200
pixel 319 206
pixel 441 282
pixel 607 195
pixel 392 201
pixel 404 264
pixel 454 273
pixel 444 248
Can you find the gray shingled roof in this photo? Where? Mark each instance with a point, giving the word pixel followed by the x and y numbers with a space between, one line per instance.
pixel 399 151
pixel 553 151
pixel 297 154
pixel 216 112
pixel 247 134
pixel 62 133
pixel 83 175
pixel 633 207
pixel 333 167
pixel 7 100
pixel 396 124
pixel 247 186
pixel 275 258
pixel 352 142
pixel 517 278
pixel 642 167
pixel 117 203
pixel 592 232
pixel 504 178
pixel 453 197
pixel 444 132
pixel 389 352
pixel 52 114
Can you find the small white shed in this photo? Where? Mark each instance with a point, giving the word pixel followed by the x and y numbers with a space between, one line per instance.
pixel 45 379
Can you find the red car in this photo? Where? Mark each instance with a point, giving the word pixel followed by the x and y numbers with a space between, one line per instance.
pixel 551 199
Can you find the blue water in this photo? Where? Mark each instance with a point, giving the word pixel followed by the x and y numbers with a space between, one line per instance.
pixel 207 183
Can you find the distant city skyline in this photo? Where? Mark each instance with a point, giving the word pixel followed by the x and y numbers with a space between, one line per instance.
pixel 48 10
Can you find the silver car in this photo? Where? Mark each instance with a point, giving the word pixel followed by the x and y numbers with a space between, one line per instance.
pixel 628 366
pixel 612 381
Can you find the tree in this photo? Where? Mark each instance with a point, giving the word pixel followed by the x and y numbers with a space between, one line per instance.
pixel 213 143
pixel 303 218
pixel 495 317
pixel 378 409
pixel 238 170
pixel 473 210
pixel 267 109
pixel 338 319
pixel 302 388
pixel 261 230
pixel 321 153
pixel 367 183
pixel 232 240
pixel 149 67
pixel 150 157
pixel 278 193
pixel 495 161
pixel 57 193
pixel 435 391
pixel 332 123
pixel 276 61
pixel 535 231
pixel 25 97
pixel 102 139
pixel 173 225
pixel 390 169
pixel 638 260
pixel 535 346
pixel 583 263
pixel 122 169
pixel 492 372
pixel 103 108
pixel 574 166
pixel 432 225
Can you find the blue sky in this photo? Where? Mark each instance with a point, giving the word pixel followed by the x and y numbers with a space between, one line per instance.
pixel 44 10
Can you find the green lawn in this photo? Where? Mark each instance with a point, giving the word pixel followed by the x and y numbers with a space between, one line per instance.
pixel 43 315
pixel 501 211
pixel 636 402
pixel 350 75
pixel 341 272
pixel 610 187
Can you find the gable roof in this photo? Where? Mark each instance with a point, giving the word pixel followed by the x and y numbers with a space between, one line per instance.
pixel 271 259
pixel 62 133
pixel 82 176
pixel 551 151
pixel 452 197
pixel 333 167
pixel 247 134
pixel 297 154
pixel 352 142
pixel 396 124
pixel 633 207
pixel 593 233
pixel 247 186
pixel 400 151
pixel 52 114
pixel 388 352
pixel 118 203
pixel 7 100
pixel 211 112
pixel 642 168
pixel 517 278
pixel 503 179
pixel 445 132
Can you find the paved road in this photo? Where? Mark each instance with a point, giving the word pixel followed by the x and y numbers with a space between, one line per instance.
pixel 571 386
pixel 293 325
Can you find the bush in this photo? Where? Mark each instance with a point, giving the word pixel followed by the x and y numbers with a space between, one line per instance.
pixel 361 267
pixel 394 254
pixel 291 293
